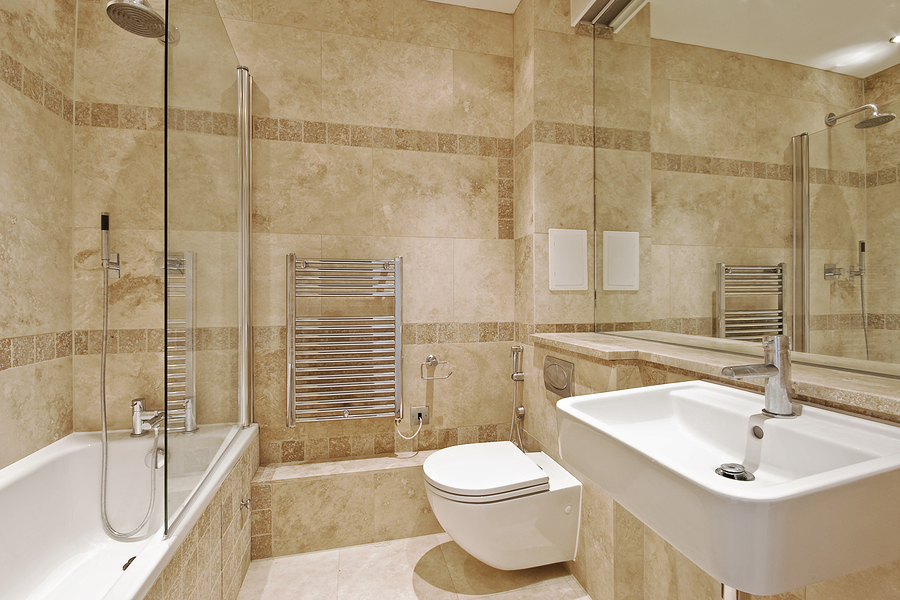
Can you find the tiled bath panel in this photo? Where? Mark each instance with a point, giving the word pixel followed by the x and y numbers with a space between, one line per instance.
pixel 414 568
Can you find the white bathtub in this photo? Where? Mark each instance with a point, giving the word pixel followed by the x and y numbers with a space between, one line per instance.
pixel 52 543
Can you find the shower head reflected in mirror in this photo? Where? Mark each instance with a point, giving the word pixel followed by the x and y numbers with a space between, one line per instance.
pixel 139 18
pixel 873 120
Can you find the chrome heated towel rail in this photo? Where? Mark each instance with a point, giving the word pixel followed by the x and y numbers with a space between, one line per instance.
pixel 345 361
pixel 181 395
pixel 748 322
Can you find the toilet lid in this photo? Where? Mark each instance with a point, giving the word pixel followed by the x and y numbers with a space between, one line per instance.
pixel 484 469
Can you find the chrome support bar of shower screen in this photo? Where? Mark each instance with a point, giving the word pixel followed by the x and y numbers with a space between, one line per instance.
pixel 347 366
pixel 245 339
pixel 801 278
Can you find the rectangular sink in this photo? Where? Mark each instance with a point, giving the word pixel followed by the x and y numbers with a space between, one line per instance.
pixel 825 500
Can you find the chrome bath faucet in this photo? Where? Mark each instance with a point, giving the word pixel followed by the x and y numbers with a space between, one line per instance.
pixel 776 369
pixel 142 420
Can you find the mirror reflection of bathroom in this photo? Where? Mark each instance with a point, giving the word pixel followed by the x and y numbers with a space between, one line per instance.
pixel 727 188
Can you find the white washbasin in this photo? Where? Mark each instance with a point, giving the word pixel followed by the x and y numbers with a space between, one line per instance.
pixel 825 501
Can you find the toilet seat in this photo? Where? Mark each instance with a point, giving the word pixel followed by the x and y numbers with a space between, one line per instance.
pixel 487 472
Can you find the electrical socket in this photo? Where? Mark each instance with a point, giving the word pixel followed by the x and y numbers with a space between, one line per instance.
pixel 414 413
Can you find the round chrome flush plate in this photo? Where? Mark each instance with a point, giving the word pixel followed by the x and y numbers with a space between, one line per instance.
pixel 735 471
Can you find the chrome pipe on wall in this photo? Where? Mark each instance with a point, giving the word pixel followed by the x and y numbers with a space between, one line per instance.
pixel 245 338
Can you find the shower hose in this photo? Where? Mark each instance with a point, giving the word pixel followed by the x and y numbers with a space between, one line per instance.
pixel 113 533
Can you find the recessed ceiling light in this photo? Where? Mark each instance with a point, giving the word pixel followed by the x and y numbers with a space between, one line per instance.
pixel 895 39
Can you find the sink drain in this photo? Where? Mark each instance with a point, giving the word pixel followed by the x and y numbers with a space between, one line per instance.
pixel 735 471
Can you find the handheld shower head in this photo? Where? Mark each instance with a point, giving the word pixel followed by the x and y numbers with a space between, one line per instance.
pixel 104 239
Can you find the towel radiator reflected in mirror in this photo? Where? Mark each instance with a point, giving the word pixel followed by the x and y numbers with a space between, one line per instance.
pixel 747 316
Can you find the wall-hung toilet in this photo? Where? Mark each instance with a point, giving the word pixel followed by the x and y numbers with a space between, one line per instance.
pixel 508 509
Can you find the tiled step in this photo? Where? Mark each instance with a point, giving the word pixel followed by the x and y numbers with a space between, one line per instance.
pixel 304 507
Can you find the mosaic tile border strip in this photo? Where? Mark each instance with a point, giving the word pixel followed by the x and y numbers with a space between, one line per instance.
pixel 885 176
pixel 709 165
pixel 31 349
pixel 585 136
pixel 842 322
pixel 389 138
pixel 273 337
pixel 152 118
pixel 375 444
pixel 32 85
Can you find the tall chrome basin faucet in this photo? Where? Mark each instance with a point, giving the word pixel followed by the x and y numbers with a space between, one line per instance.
pixel 776 369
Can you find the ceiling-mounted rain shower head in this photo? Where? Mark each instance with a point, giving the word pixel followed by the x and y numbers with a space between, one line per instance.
pixel 136 16
pixel 873 120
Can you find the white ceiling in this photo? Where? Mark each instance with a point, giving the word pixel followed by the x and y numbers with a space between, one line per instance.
pixel 845 36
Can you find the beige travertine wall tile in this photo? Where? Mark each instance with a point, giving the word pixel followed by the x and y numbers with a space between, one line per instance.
pixel 562 78
pixel 360 18
pixel 35 258
pixel 114 66
pixel 402 492
pixel 553 15
pixel 483 94
pixel 659 115
pixel 837 217
pixel 668 574
pixel 523 67
pixel 119 171
pixel 42 36
pixel 524 290
pixel 621 85
pixel 235 9
pixel 778 119
pixel 622 184
pixel 637 30
pixel 483 280
pixel 216 378
pixel 523 211
pixel 36 404
pixel 194 80
pixel 446 26
pixel 128 376
pixel 136 297
pixel 286 65
pixel 660 276
pixel 760 213
pixel 883 87
pixel 327 502
pixel 428 282
pixel 825 86
pixel 710 121
pixel 558 307
pixel 719 68
pixel 689 209
pixel 36 162
pixel 594 566
pixel 404 86
pixel 563 187
pixel 423 194
pixel 878 582
pixel 629 555
pixel 332 184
